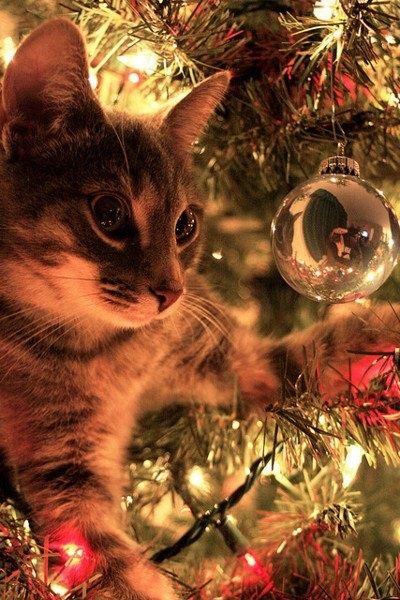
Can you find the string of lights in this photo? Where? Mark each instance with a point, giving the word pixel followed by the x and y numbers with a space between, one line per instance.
pixel 218 517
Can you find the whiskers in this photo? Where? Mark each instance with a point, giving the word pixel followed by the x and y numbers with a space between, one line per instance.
pixel 207 313
pixel 36 333
pixel 30 337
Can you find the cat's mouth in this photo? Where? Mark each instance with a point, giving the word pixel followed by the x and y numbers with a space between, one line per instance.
pixel 137 307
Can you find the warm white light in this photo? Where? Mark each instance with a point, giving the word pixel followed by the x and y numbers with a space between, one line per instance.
pixel 268 470
pixel 235 424
pixel 74 553
pixel 58 589
pixel 9 49
pixel 249 558
pixel 134 77
pixel 196 477
pixel 363 301
pixel 393 99
pixel 380 270
pixel 396 530
pixel 390 38
pixel 351 464
pixel 217 254
pixel 370 276
pixel 93 79
pixel 324 10
pixel 144 61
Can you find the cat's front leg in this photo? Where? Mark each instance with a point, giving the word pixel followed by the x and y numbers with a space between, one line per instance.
pixel 67 460
pixel 325 353
pixel 85 548
pixel 215 360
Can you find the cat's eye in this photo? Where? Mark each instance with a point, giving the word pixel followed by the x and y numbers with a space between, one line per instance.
pixel 185 227
pixel 110 213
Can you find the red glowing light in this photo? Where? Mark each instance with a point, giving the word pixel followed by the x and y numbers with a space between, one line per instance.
pixel 76 559
pixel 261 572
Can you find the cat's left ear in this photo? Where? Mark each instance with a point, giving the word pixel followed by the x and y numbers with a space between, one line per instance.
pixel 45 88
pixel 186 121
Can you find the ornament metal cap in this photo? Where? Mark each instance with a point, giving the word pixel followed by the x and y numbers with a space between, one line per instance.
pixel 339 165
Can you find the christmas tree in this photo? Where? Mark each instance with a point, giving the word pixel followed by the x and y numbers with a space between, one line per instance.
pixel 302 503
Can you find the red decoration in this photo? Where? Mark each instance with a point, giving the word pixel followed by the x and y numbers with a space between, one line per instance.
pixel 76 558
pixel 258 569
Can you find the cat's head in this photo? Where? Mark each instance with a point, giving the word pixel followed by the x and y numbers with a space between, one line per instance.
pixel 99 216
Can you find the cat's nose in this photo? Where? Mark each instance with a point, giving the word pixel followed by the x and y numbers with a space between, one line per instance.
pixel 166 296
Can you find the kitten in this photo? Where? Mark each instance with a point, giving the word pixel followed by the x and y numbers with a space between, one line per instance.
pixel 101 230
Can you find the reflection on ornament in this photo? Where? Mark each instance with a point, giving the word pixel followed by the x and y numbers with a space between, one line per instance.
pixel 324 10
pixel 335 238
pixel 9 49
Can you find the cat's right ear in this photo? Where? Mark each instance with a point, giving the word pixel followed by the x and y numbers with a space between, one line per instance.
pixel 188 118
pixel 45 87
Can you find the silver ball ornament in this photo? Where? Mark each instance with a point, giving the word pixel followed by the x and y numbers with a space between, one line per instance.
pixel 335 238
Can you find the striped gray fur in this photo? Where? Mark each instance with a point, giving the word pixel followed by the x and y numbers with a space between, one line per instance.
pixel 84 346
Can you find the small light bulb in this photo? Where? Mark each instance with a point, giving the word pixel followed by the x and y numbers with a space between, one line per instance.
pixel 390 38
pixel 134 77
pixel 249 558
pixel 351 464
pixel 196 477
pixel 217 255
pixel 58 589
pixel 324 10
pixel 269 470
pixel 144 61
pixel 93 81
pixel 396 530
pixel 74 553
